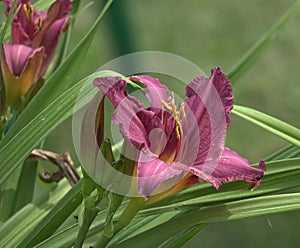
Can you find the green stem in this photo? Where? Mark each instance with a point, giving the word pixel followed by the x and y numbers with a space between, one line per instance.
pixel 90 209
pixel 89 216
pixel 131 210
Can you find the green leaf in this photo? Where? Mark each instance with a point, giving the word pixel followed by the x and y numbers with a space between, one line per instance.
pixel 57 215
pixel 289 151
pixel 258 206
pixel 262 43
pixel 271 124
pixel 8 21
pixel 36 130
pixel 22 223
pixel 140 225
pixel 26 183
pixel 281 174
pixel 136 226
pixel 180 239
pixel 66 237
pixel 19 224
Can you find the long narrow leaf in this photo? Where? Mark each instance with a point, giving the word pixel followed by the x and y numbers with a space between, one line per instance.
pixel 25 189
pixel 58 214
pixel 13 232
pixel 261 44
pixel 289 151
pixel 36 130
pixel 283 175
pixel 20 224
pixel 271 124
pixel 8 21
pixel 258 206
pixel 182 238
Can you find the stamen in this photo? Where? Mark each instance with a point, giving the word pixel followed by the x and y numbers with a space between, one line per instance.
pixel 25 10
pixel 175 113
pixel 166 105
pixel 172 107
pixel 177 131
pixel 39 24
pixel 182 110
pixel 29 11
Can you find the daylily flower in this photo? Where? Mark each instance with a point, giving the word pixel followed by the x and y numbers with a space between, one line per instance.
pixel 34 38
pixel 179 144
pixel 39 28
pixel 20 67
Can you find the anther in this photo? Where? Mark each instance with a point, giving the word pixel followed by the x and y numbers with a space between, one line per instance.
pixel 25 10
pixel 177 132
pixel 39 24
pixel 182 110
pixel 166 105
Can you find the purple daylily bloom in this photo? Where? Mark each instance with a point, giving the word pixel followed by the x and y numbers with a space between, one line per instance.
pixel 34 38
pixel 20 66
pixel 180 144
pixel 39 28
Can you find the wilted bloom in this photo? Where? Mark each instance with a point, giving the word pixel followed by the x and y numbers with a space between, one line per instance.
pixel 183 143
pixel 34 37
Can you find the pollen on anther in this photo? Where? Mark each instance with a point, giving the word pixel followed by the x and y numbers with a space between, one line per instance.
pixel 39 24
pixel 25 10
pixel 166 105
pixel 182 110
pixel 177 132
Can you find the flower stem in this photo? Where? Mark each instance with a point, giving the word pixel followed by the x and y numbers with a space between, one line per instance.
pixel 131 210
pixel 89 216
pixel 90 209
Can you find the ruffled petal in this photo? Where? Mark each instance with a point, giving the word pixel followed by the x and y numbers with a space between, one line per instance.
pixel 231 167
pixel 135 122
pixel 152 172
pixel 205 119
pixel 155 90
pixel 114 89
pixel 224 88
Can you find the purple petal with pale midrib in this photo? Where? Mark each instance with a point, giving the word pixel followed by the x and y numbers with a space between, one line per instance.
pixel 152 172
pixel 17 57
pixel 204 128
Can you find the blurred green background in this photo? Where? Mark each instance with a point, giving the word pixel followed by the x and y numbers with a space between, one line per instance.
pixel 210 34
